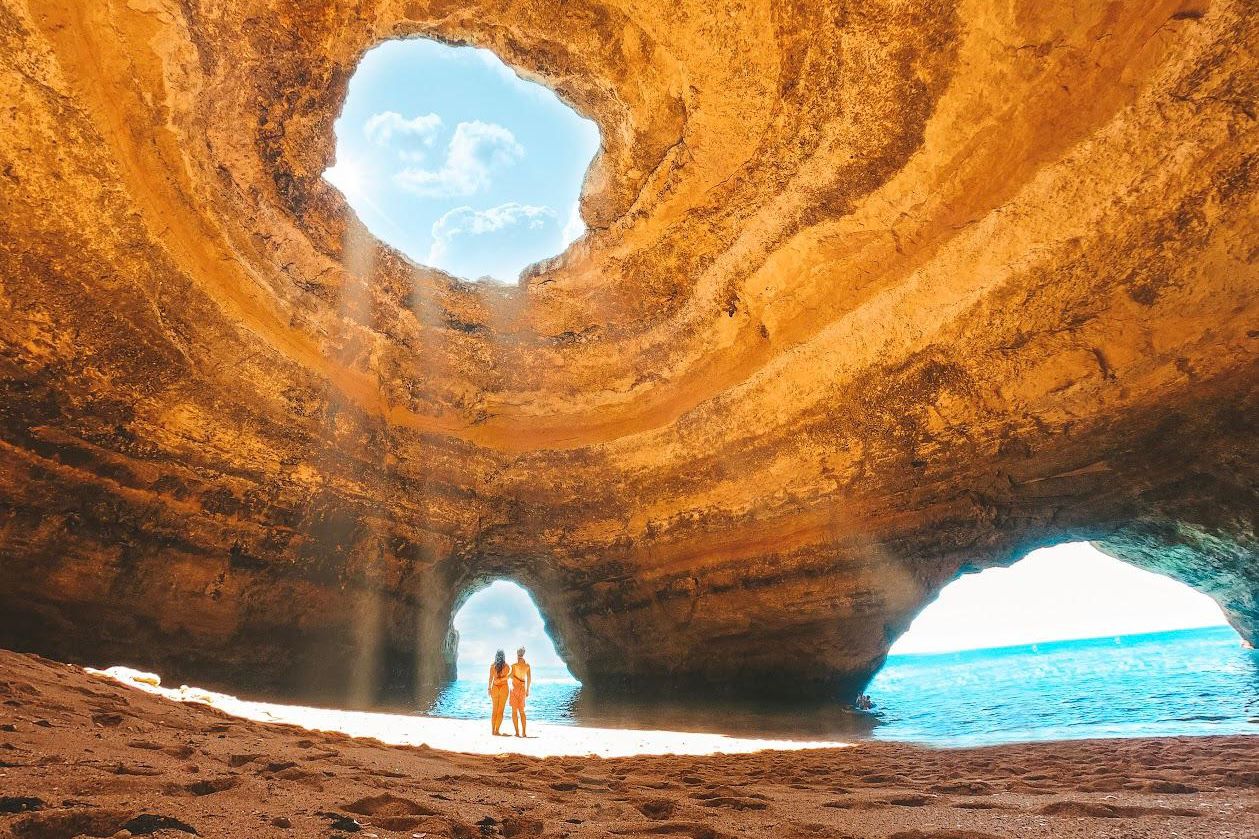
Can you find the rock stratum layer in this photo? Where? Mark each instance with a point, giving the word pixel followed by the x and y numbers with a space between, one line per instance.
pixel 874 294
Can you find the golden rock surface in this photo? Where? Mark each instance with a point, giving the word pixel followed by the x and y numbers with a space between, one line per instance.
pixel 874 293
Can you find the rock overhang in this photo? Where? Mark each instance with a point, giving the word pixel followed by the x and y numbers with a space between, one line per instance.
pixel 869 295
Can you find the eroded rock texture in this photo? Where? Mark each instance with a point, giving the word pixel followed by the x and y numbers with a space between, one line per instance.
pixel 875 293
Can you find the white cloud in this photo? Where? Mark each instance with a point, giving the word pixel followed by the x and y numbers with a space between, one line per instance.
pixel 465 221
pixel 459 243
pixel 475 151
pixel 382 128
pixel 574 227
pixel 502 616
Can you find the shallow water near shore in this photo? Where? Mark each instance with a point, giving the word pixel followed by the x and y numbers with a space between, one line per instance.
pixel 1187 682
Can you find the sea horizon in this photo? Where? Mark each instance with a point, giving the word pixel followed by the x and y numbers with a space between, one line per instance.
pixel 1056 642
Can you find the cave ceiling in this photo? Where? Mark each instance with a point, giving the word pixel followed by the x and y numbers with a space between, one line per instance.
pixel 872 294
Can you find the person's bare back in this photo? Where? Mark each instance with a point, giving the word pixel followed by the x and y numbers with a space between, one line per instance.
pixel 521 683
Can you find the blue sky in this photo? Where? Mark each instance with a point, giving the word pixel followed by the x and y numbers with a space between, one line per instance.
pixel 1067 591
pixel 450 157
pixel 503 616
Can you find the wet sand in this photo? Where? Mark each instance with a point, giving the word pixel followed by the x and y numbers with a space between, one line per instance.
pixel 81 754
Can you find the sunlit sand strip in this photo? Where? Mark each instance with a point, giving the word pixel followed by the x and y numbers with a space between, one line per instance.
pixel 545 740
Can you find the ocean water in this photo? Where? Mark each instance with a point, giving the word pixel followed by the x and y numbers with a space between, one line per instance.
pixel 1188 682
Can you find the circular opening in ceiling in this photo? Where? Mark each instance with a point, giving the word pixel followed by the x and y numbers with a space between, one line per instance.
pixel 453 159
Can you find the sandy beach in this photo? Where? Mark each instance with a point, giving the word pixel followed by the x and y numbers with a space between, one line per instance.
pixel 472 736
pixel 84 755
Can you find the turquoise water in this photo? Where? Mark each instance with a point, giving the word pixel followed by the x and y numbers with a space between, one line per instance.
pixel 1188 682
pixel 1198 681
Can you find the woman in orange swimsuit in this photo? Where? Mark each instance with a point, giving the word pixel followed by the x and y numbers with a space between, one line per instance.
pixel 500 675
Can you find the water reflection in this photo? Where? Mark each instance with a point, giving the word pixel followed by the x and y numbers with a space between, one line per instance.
pixel 569 703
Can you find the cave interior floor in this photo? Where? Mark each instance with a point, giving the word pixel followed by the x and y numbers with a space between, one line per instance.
pixel 85 755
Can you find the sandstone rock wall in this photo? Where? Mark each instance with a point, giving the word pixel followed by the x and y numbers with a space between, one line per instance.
pixel 874 294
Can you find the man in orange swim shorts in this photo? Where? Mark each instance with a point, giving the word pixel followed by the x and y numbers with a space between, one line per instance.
pixel 521 681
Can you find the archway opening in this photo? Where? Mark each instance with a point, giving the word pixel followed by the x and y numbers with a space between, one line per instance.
pixel 503 616
pixel 450 157
pixel 1066 643
pixel 1067 592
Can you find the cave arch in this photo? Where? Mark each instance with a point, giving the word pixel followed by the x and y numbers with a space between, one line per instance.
pixel 502 615
pixel 1066 639
pixel 1210 556
pixel 448 590
pixel 1069 591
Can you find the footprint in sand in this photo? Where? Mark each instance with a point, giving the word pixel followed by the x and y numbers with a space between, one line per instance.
pixel 20 803
pixel 107 719
pixel 209 786
pixel 298 773
pixel 857 804
pixel 942 834
pixel 690 830
pixel 236 761
pixel 521 826
pixel 884 779
pixel 735 803
pixel 1169 787
pixel 67 824
pixel 656 808
pixel 1099 810
pixel 731 798
pixel 912 800
pixel 980 804
pixel 140 769
pixel 1109 783
pixel 962 788
pixel 387 804
pixel 393 812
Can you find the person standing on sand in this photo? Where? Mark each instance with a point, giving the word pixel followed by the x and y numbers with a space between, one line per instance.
pixel 521 681
pixel 500 674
